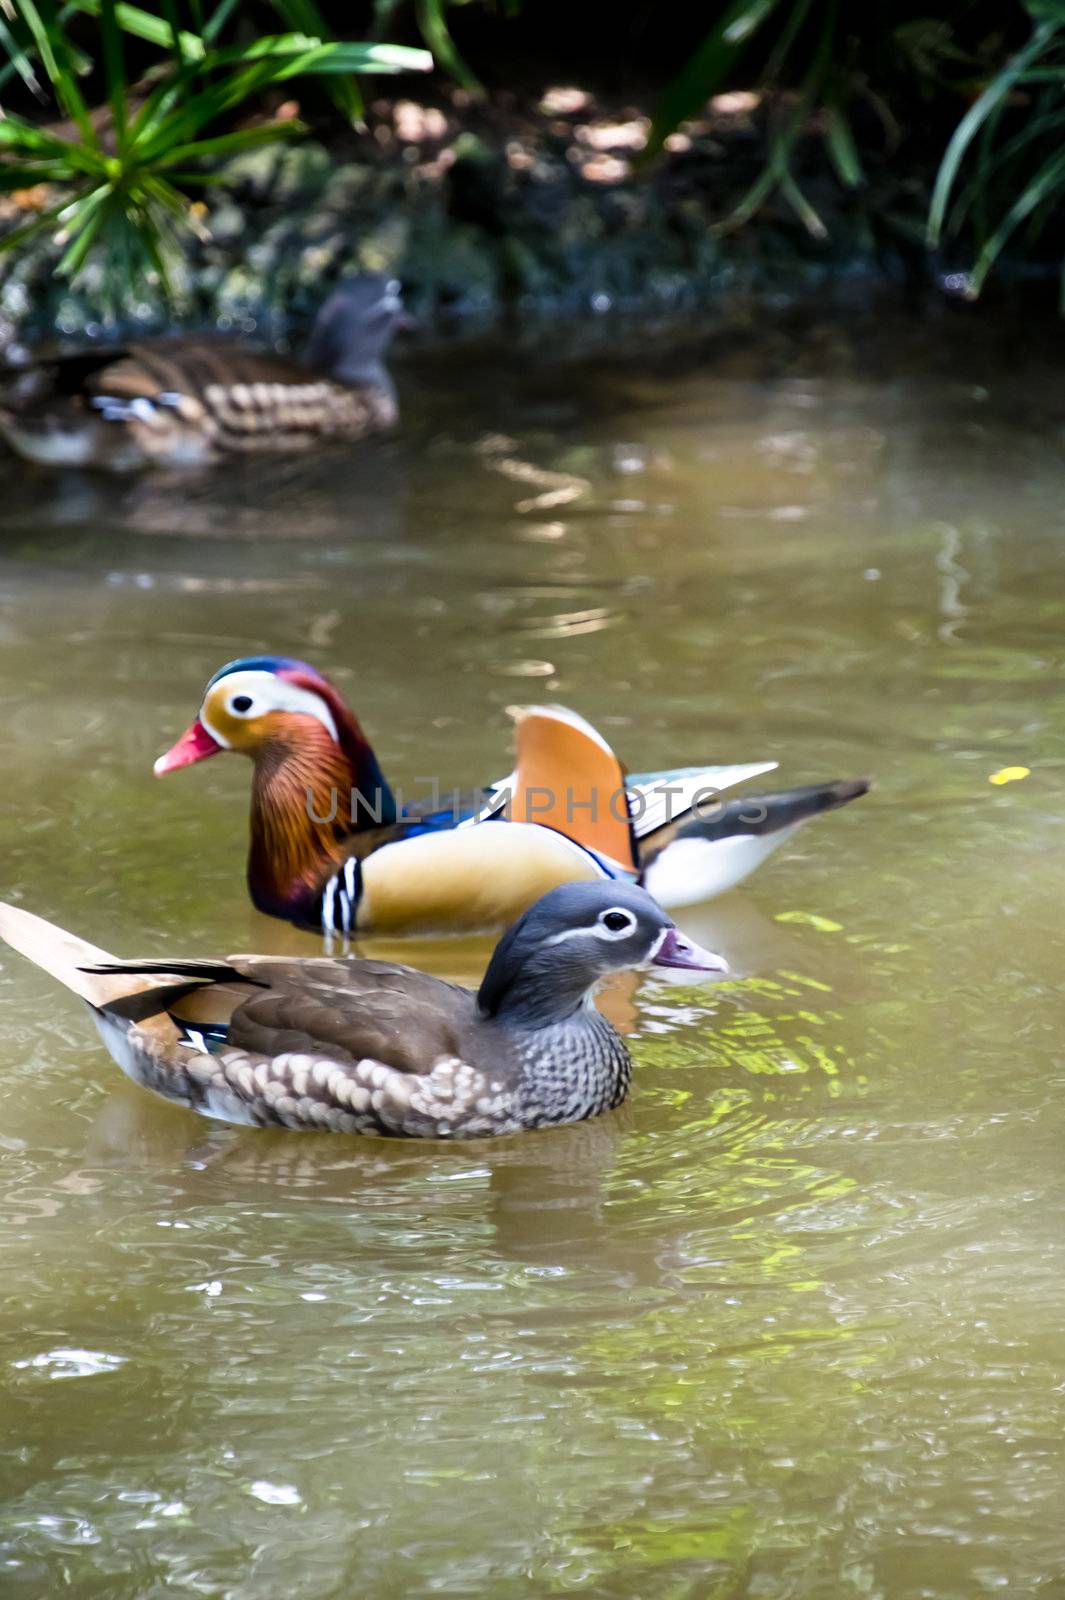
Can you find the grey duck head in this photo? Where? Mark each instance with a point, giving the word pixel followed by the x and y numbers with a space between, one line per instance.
pixel 547 965
pixel 354 327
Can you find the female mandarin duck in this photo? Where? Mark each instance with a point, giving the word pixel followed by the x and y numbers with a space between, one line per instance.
pixel 332 849
pixel 367 1047
pixel 187 401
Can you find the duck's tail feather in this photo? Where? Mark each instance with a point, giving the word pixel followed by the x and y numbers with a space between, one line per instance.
pixel 130 989
pixel 756 815
pixel 710 854
pixel 181 988
pixel 65 956
pixel 663 801
pixel 205 971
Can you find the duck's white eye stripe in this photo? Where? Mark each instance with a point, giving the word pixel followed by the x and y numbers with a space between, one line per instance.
pixel 571 933
pixel 598 929
pixel 265 692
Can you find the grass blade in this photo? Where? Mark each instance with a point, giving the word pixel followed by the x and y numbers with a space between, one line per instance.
pixel 970 124
pixel 227 144
pixel 793 22
pixel 306 16
pixel 50 44
pixel 143 25
pixel 219 17
pixel 842 149
pixel 38 224
pixel 114 72
pixel 705 71
pixel 15 134
pixel 26 175
pixel 89 215
pixel 798 202
pixel 21 62
pixel 437 35
pixel 1049 178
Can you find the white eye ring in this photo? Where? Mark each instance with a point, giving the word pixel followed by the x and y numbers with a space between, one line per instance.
pixel 621 930
pixel 241 705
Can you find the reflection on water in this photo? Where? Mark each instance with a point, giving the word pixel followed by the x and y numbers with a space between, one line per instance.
pixel 788 1324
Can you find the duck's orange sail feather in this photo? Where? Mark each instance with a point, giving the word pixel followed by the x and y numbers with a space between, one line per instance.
pixel 567 777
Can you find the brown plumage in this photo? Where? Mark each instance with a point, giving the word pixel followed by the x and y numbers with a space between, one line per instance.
pixel 370 1047
pixel 181 401
pixel 287 791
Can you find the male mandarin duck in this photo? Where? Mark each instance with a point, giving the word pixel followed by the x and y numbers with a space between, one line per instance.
pixel 367 1047
pixel 186 401
pixel 332 848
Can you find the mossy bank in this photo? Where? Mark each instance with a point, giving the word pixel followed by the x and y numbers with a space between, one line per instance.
pixel 486 210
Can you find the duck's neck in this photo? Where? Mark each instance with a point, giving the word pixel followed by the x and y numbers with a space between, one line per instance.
pixel 367 374
pixel 536 987
pixel 310 796
pixel 362 374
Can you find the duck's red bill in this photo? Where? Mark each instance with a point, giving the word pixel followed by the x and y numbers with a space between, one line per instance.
pixel 195 744
pixel 677 950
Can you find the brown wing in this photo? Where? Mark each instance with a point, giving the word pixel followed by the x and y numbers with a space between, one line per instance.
pixel 350 1011
pixel 246 400
pixel 157 366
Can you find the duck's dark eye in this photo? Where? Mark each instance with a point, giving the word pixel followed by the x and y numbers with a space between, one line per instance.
pixel 617 921
pixel 242 702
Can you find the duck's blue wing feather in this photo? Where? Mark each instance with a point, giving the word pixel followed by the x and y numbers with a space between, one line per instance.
pixel 428 816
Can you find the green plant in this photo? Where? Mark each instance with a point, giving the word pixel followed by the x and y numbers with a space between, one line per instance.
pixel 1003 168
pixel 1009 146
pixel 121 178
pixel 806 53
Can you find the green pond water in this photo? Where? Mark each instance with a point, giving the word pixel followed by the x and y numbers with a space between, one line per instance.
pixel 791 1325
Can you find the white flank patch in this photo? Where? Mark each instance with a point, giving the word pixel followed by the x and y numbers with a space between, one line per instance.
pixel 691 870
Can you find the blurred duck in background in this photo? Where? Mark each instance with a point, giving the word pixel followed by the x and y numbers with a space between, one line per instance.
pixel 187 401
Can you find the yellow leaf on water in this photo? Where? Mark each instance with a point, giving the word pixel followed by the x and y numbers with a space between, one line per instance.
pixel 1010 774
pixel 811 919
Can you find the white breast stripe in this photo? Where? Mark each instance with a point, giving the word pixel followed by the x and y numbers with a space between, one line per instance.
pixel 329 906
